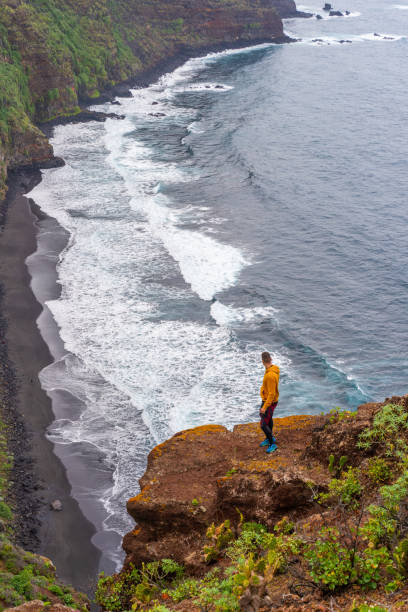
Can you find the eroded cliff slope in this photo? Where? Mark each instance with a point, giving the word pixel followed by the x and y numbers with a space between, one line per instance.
pixel 319 525
pixel 54 53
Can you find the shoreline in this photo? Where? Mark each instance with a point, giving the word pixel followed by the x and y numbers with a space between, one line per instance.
pixel 47 469
pixel 38 477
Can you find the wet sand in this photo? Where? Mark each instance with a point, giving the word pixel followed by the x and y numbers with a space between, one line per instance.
pixel 39 475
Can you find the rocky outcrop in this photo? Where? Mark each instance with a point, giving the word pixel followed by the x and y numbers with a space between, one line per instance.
pixel 209 474
pixel 53 55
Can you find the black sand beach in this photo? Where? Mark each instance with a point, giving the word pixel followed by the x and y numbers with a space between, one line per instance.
pixel 39 476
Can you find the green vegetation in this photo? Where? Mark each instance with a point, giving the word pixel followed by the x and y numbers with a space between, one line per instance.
pixel 379 470
pixel 346 489
pixel 25 576
pixel 337 469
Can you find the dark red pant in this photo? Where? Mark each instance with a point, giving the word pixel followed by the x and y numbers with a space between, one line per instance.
pixel 267 421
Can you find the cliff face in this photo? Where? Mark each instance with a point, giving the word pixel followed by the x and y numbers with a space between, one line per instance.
pixel 314 526
pixel 54 53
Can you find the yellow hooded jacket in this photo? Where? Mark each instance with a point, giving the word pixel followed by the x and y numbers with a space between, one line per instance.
pixel 269 389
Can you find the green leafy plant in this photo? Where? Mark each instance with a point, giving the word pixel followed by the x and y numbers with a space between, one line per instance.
pixel 379 470
pixel 218 538
pixel 250 571
pixel 330 563
pixel 186 589
pixel 380 527
pixel 251 538
pixel 346 489
pixel 387 424
pixel 337 469
pixel 369 566
pixel 337 414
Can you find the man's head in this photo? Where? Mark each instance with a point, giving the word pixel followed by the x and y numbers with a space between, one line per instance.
pixel 266 359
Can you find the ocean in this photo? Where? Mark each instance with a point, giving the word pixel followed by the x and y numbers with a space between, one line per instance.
pixel 251 200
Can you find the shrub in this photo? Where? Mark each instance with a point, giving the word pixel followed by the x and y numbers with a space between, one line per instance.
pixel 337 414
pixel 369 566
pixel 378 470
pixel 400 555
pixel 250 539
pixel 330 563
pixel 217 593
pixel 186 589
pixel 380 527
pixel 137 586
pixel 345 489
pixel 21 582
pixel 388 422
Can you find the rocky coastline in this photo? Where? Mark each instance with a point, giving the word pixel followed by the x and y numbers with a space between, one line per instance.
pixel 51 91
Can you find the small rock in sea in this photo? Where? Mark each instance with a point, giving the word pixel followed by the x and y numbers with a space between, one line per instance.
pixel 336 14
pixel 347 12
pixel 157 114
pixel 219 87
pixel 375 34
pixel 154 103
pixel 318 40
pixel 116 102
pixel 319 17
pixel 388 38
pixel 327 7
pixel 56 505
pixel 344 41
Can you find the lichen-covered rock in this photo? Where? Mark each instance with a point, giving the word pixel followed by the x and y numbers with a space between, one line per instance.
pixel 209 474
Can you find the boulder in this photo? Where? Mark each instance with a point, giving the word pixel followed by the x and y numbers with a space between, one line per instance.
pixel 56 505
pixel 336 14
pixel 327 7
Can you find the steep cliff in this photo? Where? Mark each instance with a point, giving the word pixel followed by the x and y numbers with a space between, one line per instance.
pixel 55 53
pixel 319 525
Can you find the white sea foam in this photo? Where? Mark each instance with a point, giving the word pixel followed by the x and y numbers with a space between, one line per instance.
pixel 401 7
pixel 140 376
pixel 213 87
pixel 350 38
pixel 228 315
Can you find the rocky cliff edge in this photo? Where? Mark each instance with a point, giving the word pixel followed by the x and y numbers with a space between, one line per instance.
pixel 319 525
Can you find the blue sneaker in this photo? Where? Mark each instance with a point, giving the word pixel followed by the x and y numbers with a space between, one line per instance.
pixel 265 442
pixel 271 448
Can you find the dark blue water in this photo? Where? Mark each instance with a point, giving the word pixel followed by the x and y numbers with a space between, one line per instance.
pixel 307 157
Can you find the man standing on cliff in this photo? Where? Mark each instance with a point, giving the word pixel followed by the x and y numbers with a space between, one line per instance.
pixel 270 396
